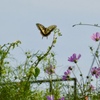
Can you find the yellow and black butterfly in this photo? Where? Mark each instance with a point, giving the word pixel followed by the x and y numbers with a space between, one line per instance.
pixel 45 31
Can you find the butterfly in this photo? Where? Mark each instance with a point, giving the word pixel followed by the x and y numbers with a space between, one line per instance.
pixel 45 32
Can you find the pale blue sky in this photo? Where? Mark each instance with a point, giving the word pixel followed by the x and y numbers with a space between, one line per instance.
pixel 18 20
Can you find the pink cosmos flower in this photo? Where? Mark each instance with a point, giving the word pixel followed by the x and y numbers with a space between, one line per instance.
pixel 66 74
pixel 74 58
pixel 50 97
pixel 96 36
pixel 50 69
pixel 95 71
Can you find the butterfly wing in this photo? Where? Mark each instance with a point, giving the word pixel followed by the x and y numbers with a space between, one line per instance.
pixel 42 29
pixel 45 31
pixel 50 29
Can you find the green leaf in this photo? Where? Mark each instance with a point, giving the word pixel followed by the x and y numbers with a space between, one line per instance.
pixel 37 72
pixel 32 70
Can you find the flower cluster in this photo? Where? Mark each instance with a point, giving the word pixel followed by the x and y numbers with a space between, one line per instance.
pixel 95 71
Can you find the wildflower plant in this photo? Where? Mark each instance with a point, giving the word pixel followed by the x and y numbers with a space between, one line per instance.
pixel 86 88
pixel 23 81
pixel 17 81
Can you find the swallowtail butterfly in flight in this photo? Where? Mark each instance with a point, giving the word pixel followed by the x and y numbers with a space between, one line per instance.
pixel 45 31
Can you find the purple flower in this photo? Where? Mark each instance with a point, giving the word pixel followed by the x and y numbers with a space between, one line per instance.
pixel 66 74
pixel 62 98
pixel 50 97
pixel 73 58
pixel 95 71
pixel 50 69
pixel 96 36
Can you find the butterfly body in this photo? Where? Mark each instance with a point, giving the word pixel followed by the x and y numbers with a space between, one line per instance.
pixel 45 31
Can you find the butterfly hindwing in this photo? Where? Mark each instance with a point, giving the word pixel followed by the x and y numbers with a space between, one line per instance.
pixel 45 31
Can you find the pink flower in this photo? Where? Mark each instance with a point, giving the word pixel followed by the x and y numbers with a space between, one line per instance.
pixel 95 71
pixel 96 36
pixel 73 58
pixel 50 97
pixel 50 69
pixel 66 74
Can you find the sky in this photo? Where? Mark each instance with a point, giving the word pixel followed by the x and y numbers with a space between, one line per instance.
pixel 18 20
